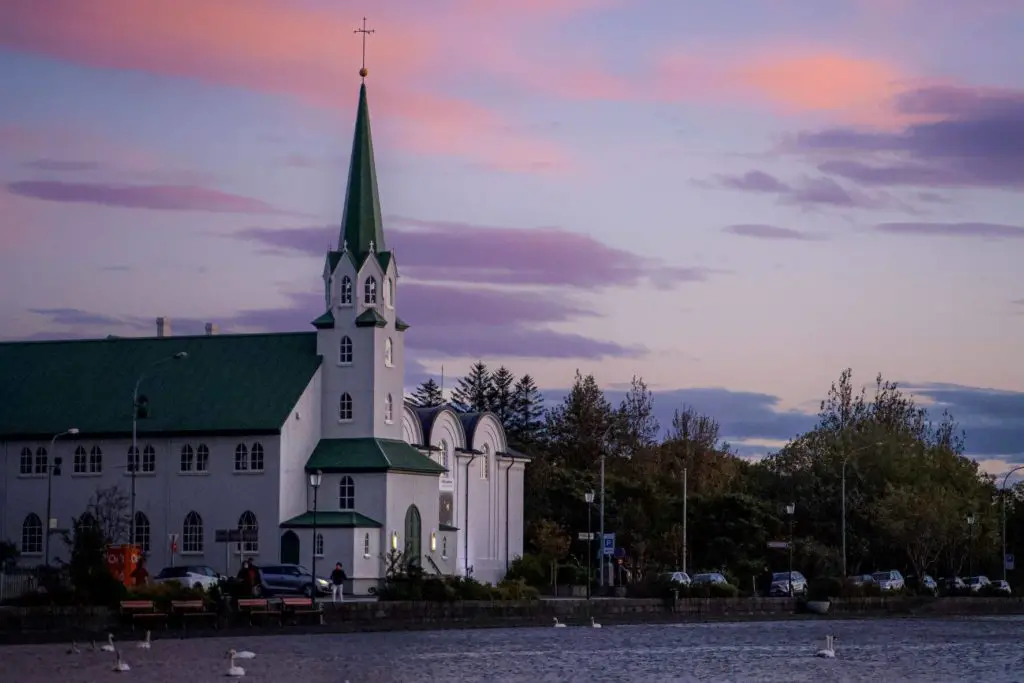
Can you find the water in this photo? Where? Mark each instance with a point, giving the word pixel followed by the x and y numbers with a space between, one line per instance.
pixel 980 650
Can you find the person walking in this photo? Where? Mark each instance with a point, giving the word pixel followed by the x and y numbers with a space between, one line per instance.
pixel 338 577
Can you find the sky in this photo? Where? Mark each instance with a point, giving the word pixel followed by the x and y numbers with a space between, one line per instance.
pixel 734 200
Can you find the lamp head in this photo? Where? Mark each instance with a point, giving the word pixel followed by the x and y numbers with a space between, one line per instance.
pixel 589 497
pixel 790 508
pixel 316 478
pixel 180 355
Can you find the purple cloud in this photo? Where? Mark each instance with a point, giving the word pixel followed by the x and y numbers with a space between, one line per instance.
pixel 754 181
pixel 74 317
pixel 61 166
pixel 970 137
pixel 157 197
pixel 808 192
pixel 976 230
pixel 459 252
pixel 768 232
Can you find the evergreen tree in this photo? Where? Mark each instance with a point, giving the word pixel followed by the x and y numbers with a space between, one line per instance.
pixel 526 422
pixel 428 394
pixel 502 395
pixel 583 427
pixel 637 427
pixel 473 392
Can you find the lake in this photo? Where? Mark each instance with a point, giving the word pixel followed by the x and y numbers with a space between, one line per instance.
pixel 930 651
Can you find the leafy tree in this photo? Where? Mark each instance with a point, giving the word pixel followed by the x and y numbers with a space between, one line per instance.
pixel 501 395
pixel 526 421
pixel 428 395
pixel 473 392
pixel 551 543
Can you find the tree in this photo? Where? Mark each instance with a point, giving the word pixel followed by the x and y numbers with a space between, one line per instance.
pixel 501 395
pixel 582 427
pixel 428 395
pixel 109 507
pixel 526 422
pixel 473 392
pixel 637 427
pixel 551 543
pixel 919 520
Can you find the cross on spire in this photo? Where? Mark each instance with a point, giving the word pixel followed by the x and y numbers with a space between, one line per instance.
pixel 365 31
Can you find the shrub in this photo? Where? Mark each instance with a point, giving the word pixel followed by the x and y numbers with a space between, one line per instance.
pixel 723 590
pixel 824 589
pixel 531 569
pixel 514 590
pixel 655 586
pixel 163 593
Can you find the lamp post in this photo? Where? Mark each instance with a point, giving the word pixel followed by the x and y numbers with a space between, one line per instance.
pixel 315 479
pixel 601 533
pixel 589 497
pixel 181 355
pixel 1003 499
pixel 970 543
pixel 52 467
pixel 846 459
pixel 790 511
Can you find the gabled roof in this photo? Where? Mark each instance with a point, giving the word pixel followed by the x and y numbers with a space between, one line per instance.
pixel 348 519
pixel 229 384
pixel 369 455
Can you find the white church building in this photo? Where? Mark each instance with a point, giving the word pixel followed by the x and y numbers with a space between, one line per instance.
pixel 231 427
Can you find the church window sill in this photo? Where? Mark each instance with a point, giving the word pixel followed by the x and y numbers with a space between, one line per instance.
pixel 31 476
pixel 248 472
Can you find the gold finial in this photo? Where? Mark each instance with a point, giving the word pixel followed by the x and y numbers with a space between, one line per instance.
pixel 365 31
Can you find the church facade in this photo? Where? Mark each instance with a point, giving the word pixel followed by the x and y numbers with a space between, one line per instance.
pixel 230 429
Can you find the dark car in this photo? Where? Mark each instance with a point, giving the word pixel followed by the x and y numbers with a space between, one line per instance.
pixel 278 579
pixel 923 585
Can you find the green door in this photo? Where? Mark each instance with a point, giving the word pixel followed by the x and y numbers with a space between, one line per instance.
pixel 413 532
pixel 290 548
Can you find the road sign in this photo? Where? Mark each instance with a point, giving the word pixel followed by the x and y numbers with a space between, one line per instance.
pixel 174 542
pixel 1008 561
pixel 778 545
pixel 609 545
pixel 584 536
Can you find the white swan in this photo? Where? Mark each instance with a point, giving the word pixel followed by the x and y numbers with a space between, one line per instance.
pixel 828 651
pixel 73 650
pixel 144 644
pixel 121 665
pixel 244 654
pixel 234 669
pixel 558 624
pixel 594 624
pixel 109 645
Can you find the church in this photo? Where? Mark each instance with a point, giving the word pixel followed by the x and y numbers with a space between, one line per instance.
pixel 283 448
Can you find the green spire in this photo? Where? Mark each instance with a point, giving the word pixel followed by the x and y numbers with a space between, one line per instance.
pixel 360 222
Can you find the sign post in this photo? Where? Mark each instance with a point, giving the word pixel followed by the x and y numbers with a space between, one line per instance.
pixel 1009 561
pixel 607 550
pixel 586 536
pixel 173 538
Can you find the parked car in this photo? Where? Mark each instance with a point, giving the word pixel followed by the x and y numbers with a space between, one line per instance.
pixel 978 583
pixel 781 584
pixel 190 576
pixel 924 584
pixel 682 578
pixel 888 582
pixel 1001 588
pixel 954 585
pixel 861 580
pixel 708 579
pixel 289 578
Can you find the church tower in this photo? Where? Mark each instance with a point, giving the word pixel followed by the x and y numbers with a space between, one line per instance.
pixel 360 336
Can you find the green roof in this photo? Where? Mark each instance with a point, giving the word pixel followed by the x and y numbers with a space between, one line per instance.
pixel 361 222
pixel 447 527
pixel 369 455
pixel 334 258
pixel 324 322
pixel 371 318
pixel 228 384
pixel 328 520
pixel 400 324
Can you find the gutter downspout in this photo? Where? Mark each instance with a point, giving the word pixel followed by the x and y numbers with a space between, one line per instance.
pixel 511 462
pixel 465 526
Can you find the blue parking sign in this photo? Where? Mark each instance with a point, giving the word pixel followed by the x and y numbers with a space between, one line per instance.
pixel 608 547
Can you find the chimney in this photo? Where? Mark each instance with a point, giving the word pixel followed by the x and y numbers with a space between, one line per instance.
pixel 163 327
pixel 211 329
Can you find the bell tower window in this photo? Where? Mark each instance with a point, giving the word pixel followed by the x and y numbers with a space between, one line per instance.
pixel 345 351
pixel 345 408
pixel 370 291
pixel 346 291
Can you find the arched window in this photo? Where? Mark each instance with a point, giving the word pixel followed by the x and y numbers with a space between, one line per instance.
pixel 192 533
pixel 32 535
pixel 389 409
pixel 413 531
pixel 366 545
pixel 41 460
pixel 81 463
pixel 241 458
pixel 142 532
pixel 133 459
pixel 26 461
pixel 444 547
pixel 96 459
pixel 345 407
pixel 346 291
pixel 345 350
pixel 256 457
pixel 318 545
pixel 388 352
pixel 370 291
pixel 347 493
pixel 188 460
pixel 389 292
pixel 247 524
pixel 485 466
pixel 202 458
pixel 148 459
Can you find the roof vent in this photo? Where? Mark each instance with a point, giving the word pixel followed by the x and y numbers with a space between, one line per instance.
pixel 163 327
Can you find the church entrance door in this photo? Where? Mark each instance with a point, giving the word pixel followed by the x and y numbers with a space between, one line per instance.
pixel 290 548
pixel 413 540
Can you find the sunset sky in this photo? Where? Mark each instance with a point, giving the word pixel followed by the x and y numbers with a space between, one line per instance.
pixel 735 200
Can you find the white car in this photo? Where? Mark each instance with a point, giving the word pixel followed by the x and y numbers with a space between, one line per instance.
pixel 190 576
pixel 888 582
pixel 682 578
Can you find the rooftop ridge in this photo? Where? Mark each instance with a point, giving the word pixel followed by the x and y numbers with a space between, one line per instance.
pixel 179 337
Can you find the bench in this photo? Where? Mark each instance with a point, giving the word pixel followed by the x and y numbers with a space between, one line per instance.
pixel 142 610
pixel 191 609
pixel 256 607
pixel 298 608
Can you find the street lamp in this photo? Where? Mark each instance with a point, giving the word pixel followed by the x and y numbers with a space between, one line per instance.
pixel 589 497
pixel 181 355
pixel 790 511
pixel 1003 498
pixel 315 479
pixel 53 467
pixel 970 543
pixel 846 458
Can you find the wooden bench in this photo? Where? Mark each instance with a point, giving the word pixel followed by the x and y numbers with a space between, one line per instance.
pixel 257 607
pixel 298 608
pixel 192 609
pixel 142 610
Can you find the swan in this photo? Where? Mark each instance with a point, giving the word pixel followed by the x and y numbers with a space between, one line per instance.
pixel 109 645
pixel 234 670
pixel 828 651
pixel 73 650
pixel 594 624
pixel 121 665
pixel 558 624
pixel 244 654
pixel 144 644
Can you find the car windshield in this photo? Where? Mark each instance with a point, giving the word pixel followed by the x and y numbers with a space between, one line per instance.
pixel 881 576
pixel 784 576
pixel 172 573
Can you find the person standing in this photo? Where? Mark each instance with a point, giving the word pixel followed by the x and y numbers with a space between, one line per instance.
pixel 338 577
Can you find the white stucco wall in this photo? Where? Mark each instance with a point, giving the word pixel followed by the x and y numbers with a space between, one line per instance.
pixel 300 434
pixel 403 491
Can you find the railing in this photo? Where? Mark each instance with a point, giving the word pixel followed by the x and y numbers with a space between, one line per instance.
pixel 16 585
